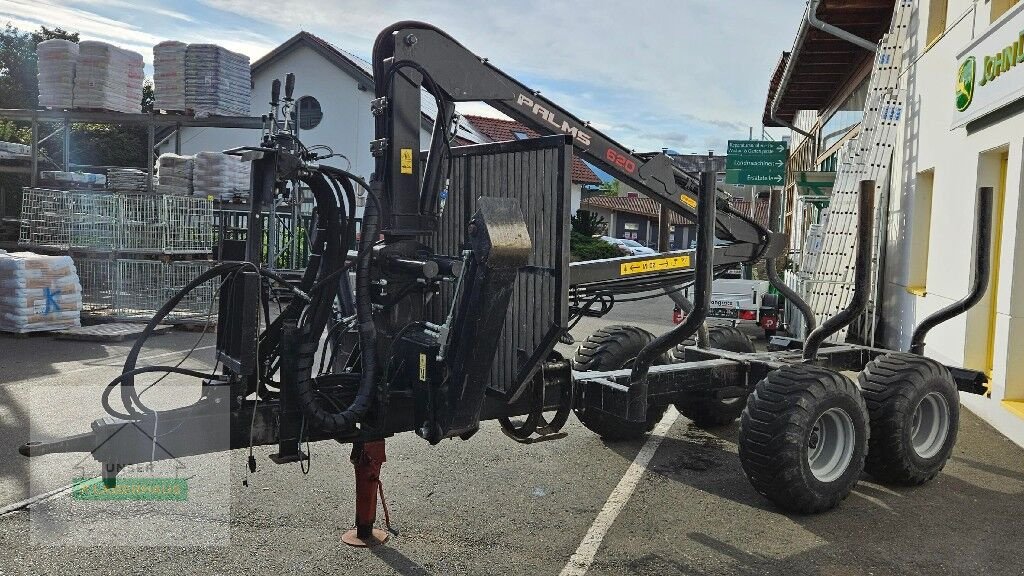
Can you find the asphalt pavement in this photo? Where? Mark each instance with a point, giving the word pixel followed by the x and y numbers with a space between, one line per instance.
pixel 482 506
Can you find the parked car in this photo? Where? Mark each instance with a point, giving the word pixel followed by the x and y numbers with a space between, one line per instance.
pixel 630 247
pixel 742 301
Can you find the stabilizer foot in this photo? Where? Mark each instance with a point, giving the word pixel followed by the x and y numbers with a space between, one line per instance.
pixel 376 537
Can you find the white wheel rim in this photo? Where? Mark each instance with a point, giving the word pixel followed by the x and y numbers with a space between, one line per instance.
pixel 930 425
pixel 830 444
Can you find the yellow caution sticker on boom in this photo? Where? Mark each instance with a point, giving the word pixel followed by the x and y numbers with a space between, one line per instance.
pixel 654 265
pixel 688 201
pixel 406 161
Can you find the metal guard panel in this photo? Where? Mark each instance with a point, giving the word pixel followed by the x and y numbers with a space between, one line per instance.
pixel 536 172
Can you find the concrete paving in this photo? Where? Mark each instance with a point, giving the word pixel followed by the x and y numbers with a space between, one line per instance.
pixel 491 506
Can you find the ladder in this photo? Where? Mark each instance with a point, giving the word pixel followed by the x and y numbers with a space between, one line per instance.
pixel 830 250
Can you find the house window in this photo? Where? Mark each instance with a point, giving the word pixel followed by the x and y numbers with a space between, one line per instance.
pixel 999 7
pixel 308 113
pixel 846 116
pixel 520 135
pixel 936 19
pixel 920 232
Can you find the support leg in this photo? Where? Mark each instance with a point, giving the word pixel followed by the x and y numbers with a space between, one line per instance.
pixel 367 459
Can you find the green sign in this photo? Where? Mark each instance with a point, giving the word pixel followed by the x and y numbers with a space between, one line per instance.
pixel 965 84
pixel 756 162
pixel 990 70
pixel 755 178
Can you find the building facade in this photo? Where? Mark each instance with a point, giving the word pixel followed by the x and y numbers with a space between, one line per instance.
pixel 962 129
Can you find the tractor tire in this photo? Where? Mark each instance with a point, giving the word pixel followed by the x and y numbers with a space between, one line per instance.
pixel 803 438
pixel 707 412
pixel 613 348
pixel 915 412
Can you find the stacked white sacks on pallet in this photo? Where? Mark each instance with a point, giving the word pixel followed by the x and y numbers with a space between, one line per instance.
pixel 174 174
pixel 108 78
pixel 38 292
pixel 169 75
pixel 14 151
pixel 220 176
pixel 126 180
pixel 217 81
pixel 57 60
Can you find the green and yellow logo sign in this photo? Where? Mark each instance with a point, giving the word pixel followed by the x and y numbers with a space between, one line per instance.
pixel 965 84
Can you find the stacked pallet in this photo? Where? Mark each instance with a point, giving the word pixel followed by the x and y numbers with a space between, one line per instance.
pixel 220 176
pixel 126 180
pixel 72 180
pixel 57 59
pixel 217 81
pixel 14 151
pixel 108 78
pixel 38 292
pixel 169 75
pixel 174 174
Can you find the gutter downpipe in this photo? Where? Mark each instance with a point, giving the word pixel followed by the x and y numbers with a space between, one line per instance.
pixel 813 20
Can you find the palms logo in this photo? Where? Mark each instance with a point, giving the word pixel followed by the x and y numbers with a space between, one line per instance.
pixel 965 84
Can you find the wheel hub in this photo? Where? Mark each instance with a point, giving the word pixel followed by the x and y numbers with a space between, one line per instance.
pixel 830 445
pixel 930 425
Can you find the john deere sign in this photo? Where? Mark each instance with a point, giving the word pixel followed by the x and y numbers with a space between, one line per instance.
pixel 990 74
pixel 756 162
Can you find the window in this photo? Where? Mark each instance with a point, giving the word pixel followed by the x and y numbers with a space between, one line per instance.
pixel 999 7
pixel 936 18
pixel 520 135
pixel 920 231
pixel 308 113
pixel 846 116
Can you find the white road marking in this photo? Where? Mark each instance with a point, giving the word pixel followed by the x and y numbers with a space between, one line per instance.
pixel 581 560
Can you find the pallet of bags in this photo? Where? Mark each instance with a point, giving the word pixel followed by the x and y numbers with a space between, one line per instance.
pixel 220 176
pixel 38 293
pixel 14 151
pixel 218 82
pixel 174 174
pixel 126 180
pixel 169 76
pixel 57 59
pixel 108 78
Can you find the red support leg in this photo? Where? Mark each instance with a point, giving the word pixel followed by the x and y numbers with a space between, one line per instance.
pixel 367 459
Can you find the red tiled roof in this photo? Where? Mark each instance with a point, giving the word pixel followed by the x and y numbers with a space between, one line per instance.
pixel 761 207
pixel 501 130
pixel 643 206
pixel 639 205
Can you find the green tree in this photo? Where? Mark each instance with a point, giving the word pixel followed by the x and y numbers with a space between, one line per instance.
pixel 610 188
pixel 588 223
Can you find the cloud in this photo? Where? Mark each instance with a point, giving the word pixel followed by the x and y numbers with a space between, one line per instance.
pixel 685 62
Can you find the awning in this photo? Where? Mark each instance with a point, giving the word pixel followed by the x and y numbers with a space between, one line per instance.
pixel 808 77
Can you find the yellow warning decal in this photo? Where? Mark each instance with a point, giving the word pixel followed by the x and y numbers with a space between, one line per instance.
pixel 655 265
pixel 423 367
pixel 406 160
pixel 688 201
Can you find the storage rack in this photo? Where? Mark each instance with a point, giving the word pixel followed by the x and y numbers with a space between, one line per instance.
pixel 132 251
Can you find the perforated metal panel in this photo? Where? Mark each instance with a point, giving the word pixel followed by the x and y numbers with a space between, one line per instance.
pixel 537 173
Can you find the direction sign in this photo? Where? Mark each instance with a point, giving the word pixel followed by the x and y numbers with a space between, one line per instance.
pixel 756 162
pixel 757 148
pixel 755 178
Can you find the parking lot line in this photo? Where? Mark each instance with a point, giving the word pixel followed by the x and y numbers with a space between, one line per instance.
pixel 581 560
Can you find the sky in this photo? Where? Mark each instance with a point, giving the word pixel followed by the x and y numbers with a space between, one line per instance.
pixel 681 74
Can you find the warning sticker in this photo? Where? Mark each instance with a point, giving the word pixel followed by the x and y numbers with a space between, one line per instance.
pixel 655 265
pixel 423 367
pixel 406 160
pixel 688 201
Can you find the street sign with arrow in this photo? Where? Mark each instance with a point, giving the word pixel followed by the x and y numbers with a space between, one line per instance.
pixel 756 162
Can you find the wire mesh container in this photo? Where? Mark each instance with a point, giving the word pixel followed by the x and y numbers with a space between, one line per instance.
pixel 143 223
pixel 45 218
pixel 200 302
pixel 189 224
pixel 94 220
pixel 140 288
pixel 98 277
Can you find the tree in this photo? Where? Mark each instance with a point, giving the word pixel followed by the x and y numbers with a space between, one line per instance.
pixel 610 188
pixel 588 223
pixel 583 244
